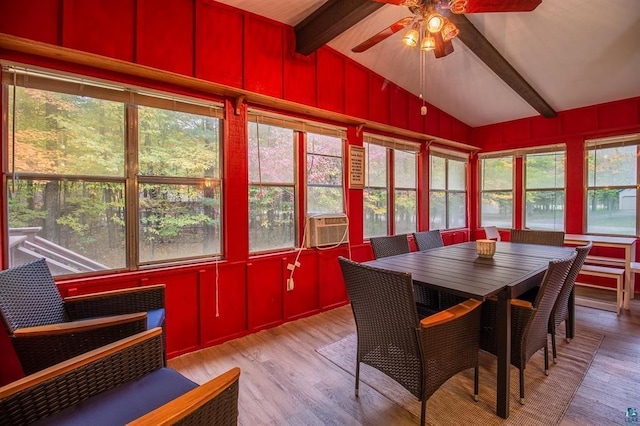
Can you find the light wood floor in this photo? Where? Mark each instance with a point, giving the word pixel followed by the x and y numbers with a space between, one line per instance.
pixel 285 382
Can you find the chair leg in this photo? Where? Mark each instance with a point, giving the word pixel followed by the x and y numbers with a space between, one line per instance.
pixel 522 385
pixel 553 348
pixel 476 375
pixel 546 359
pixel 357 378
pixel 423 412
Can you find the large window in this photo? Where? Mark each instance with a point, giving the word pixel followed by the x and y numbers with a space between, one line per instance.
pixel 376 194
pixel 447 192
pixel 272 178
pixel 325 192
pixel 102 178
pixel 612 185
pixel 544 190
pixel 496 191
pixel 405 191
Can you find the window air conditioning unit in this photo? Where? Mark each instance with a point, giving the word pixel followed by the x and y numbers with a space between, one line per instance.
pixel 326 230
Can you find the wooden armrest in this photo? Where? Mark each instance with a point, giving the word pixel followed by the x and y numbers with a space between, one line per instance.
pixel 450 314
pixel 113 292
pixel 78 326
pixel 173 411
pixel 73 363
pixel 521 303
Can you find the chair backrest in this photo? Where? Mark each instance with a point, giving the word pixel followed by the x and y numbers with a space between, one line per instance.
pixel 560 311
pixel 389 246
pixel 536 330
pixel 385 315
pixel 29 296
pixel 491 233
pixel 550 238
pixel 426 240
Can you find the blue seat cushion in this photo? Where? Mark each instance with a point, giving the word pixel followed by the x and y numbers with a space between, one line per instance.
pixel 126 402
pixel 155 318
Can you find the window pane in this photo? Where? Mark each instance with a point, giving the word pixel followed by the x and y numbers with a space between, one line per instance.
pixel 405 169
pixel 271 218
pixel 376 170
pixel 177 144
pixel 611 211
pixel 65 134
pixel 457 210
pixel 497 173
pixel 79 225
pixel 545 170
pixel 438 173
pixel 613 166
pixel 545 210
pixel 437 210
pixel 375 212
pixel 274 161
pixel 324 200
pixel 324 145
pixel 324 170
pixel 497 209
pixel 457 176
pixel 405 212
pixel 178 221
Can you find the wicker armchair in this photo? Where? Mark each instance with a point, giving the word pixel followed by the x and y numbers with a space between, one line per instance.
pixel 121 383
pixel 529 321
pixel 419 354
pixel 550 238
pixel 389 246
pixel 45 329
pixel 426 240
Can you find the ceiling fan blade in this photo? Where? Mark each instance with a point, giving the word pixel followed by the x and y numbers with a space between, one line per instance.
pixel 443 48
pixel 397 2
pixel 372 41
pixel 487 6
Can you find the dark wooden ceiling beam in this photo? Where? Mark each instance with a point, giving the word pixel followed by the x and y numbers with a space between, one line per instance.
pixel 330 20
pixel 488 54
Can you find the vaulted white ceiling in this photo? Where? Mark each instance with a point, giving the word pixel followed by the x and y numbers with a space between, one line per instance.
pixel 574 53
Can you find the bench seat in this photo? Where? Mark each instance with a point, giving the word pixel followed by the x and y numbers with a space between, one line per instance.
pixel 605 272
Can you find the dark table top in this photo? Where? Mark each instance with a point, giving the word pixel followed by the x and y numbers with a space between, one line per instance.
pixel 457 269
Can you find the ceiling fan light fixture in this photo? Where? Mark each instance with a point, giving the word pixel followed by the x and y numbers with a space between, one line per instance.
pixel 428 42
pixel 435 21
pixel 412 36
pixel 458 6
pixel 449 30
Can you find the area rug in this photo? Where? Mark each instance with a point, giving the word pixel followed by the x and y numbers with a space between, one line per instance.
pixel 546 397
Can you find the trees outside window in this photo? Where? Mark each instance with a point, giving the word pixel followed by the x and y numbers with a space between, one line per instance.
pixel 405 192
pixel 612 186
pixel 496 191
pixel 325 194
pixel 89 174
pixel 376 194
pixel 544 190
pixel 447 192
pixel 272 179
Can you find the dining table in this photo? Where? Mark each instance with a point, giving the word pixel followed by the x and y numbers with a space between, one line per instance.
pixel 458 269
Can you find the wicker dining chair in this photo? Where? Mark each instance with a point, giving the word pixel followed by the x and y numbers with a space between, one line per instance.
pixel 529 321
pixel 550 238
pixel 389 245
pixel 46 329
pixel 418 354
pixel 426 240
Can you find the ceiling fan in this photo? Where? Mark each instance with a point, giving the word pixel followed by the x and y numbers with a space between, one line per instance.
pixel 430 27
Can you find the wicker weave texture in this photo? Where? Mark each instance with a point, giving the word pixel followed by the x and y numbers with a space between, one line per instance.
pixel 389 246
pixel 219 411
pixel 560 310
pixel 391 339
pixel 76 385
pixel 29 296
pixel 426 240
pixel 528 325
pixel 549 238
pixel 142 300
